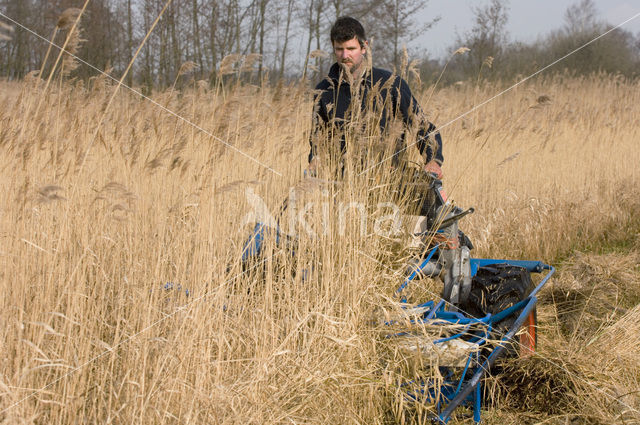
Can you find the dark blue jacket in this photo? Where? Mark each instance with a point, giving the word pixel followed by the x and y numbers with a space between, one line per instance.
pixel 333 98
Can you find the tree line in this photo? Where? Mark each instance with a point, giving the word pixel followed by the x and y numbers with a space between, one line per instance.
pixel 282 39
pixel 584 44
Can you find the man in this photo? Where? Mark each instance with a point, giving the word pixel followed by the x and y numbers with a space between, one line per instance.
pixel 349 81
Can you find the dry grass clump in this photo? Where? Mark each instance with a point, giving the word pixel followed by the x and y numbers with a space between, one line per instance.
pixel 594 288
pixel 104 230
pixel 587 368
pixel 535 387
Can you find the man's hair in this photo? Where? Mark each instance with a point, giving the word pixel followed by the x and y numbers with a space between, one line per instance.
pixel 345 29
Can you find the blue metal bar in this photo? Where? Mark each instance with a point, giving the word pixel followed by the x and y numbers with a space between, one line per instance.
pixel 486 365
pixel 454 336
pixel 544 279
pixel 464 372
pixel 416 271
pixel 483 338
pixel 452 316
pixel 459 318
pixel 438 306
pixel 477 402
pixel 428 304
pixel 509 311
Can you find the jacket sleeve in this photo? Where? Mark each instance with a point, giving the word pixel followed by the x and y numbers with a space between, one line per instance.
pixel 428 140
pixel 318 122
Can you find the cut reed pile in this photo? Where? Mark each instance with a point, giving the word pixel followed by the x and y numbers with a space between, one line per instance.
pixel 92 228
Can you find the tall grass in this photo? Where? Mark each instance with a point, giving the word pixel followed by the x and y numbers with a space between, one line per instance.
pixel 91 335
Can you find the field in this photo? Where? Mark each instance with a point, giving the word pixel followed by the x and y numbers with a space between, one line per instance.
pixel 110 211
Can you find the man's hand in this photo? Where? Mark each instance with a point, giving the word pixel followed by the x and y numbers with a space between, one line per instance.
pixel 433 167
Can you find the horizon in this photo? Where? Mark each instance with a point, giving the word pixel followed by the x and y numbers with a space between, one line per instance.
pixel 528 21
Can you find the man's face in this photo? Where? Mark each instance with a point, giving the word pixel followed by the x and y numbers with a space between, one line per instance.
pixel 350 53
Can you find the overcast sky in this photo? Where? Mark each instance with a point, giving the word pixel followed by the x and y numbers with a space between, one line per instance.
pixel 528 19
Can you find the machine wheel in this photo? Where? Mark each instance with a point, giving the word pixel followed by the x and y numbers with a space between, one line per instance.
pixel 497 287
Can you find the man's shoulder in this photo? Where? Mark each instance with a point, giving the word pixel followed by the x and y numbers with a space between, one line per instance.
pixel 324 84
pixel 379 75
pixel 330 79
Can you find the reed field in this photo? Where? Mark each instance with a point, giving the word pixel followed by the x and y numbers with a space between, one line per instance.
pixel 121 231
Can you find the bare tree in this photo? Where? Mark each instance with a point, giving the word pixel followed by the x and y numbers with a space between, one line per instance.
pixel 197 37
pixel 100 27
pixel 129 43
pixel 612 53
pixel 309 17
pixel 394 25
pixel 581 17
pixel 487 38
pixel 283 53
pixel 16 55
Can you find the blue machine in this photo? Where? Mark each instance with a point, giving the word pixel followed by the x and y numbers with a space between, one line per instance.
pixel 489 300
pixel 456 388
pixel 464 388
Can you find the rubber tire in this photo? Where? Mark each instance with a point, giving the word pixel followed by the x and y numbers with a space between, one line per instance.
pixel 498 287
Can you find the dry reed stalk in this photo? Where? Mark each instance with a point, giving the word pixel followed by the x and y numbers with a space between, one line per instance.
pixel 249 62
pixel 229 62
pixel 46 56
pixel 69 63
pixel 6 27
pixel 66 17
pixel 68 21
pixel 459 51
pixel 318 54
pixel 185 68
pixel 124 75
pixel 83 275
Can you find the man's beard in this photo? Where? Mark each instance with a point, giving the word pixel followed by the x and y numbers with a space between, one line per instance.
pixel 350 67
pixel 346 66
pixel 346 72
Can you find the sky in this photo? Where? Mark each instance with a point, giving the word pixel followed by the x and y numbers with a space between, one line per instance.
pixel 528 19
